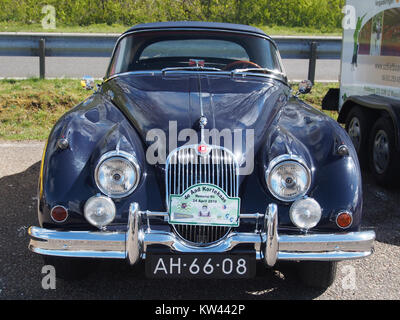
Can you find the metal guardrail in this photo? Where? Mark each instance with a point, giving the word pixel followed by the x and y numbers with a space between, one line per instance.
pixel 101 45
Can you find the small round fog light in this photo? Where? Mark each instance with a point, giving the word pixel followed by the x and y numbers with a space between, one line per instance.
pixel 59 214
pixel 305 213
pixel 344 219
pixel 99 211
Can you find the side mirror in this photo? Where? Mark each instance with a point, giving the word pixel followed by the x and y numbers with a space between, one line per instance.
pixel 87 83
pixel 305 87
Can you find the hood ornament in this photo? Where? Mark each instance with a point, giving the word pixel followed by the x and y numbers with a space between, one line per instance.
pixel 203 122
pixel 203 149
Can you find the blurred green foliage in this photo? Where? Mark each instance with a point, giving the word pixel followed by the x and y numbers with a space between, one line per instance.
pixel 322 14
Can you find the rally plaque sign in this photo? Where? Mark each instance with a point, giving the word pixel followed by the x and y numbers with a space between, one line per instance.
pixel 204 204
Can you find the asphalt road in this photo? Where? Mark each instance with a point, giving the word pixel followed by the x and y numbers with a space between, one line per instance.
pixel 376 277
pixel 56 67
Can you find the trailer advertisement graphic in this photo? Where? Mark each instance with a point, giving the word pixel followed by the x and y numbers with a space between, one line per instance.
pixel 371 51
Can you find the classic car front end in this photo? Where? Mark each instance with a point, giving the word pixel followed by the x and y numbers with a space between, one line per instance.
pixel 195 156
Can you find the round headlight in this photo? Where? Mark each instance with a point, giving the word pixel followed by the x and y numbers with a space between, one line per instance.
pixel 99 211
pixel 117 174
pixel 305 213
pixel 288 179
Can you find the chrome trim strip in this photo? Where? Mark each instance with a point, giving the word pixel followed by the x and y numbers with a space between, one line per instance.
pixel 79 254
pixel 155 214
pixel 78 237
pixel 251 215
pixel 173 242
pixel 243 71
pixel 224 73
pixel 77 243
pixel 189 69
pixel 352 241
pixel 323 256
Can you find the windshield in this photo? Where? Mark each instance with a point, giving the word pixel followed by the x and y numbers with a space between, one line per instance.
pixel 226 51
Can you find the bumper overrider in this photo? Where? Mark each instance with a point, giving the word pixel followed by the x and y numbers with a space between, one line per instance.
pixel 269 245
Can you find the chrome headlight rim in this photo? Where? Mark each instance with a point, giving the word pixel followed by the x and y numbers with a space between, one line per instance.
pixel 287 158
pixel 118 154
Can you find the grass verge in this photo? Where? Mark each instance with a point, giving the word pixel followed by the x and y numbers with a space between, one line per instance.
pixel 118 28
pixel 299 31
pixel 317 94
pixel 29 108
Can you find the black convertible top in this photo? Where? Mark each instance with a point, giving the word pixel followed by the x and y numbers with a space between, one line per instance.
pixel 196 25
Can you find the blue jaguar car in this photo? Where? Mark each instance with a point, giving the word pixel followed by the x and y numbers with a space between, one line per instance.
pixel 196 157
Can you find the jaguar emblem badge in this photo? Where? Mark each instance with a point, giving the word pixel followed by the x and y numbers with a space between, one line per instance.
pixel 203 149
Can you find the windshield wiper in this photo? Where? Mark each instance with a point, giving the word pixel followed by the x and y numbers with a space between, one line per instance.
pixel 197 68
pixel 257 70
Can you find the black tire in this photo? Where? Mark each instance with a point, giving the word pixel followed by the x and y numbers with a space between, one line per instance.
pixel 365 121
pixel 387 175
pixel 69 268
pixel 317 274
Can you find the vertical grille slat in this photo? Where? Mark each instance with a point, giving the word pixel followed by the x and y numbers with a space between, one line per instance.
pixel 212 165
pixel 221 169
pixel 174 177
pixel 199 166
pixel 185 168
pixel 187 159
pixel 179 174
pixel 191 166
pixel 226 174
pixel 209 168
pixel 231 175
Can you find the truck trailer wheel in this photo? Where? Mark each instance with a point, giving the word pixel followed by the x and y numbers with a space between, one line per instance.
pixel 358 124
pixel 384 158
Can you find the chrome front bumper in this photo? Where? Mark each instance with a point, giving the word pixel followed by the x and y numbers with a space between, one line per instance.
pixel 267 243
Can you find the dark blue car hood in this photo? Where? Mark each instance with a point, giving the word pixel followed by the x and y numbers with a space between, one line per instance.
pixel 126 109
pixel 154 101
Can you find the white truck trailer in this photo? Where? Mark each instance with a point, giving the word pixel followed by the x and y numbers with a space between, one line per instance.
pixel 369 97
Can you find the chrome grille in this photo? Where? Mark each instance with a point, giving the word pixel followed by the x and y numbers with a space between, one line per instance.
pixel 201 235
pixel 185 167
